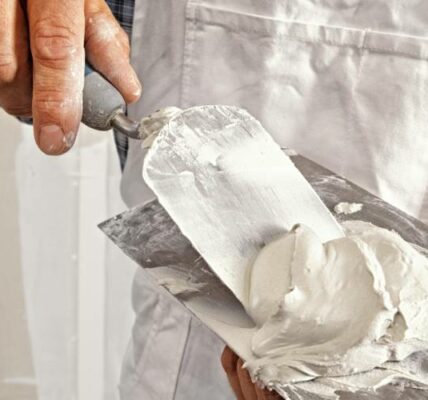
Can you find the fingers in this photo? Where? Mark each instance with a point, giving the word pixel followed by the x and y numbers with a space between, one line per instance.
pixel 107 49
pixel 240 379
pixel 15 75
pixel 265 394
pixel 247 386
pixel 57 38
pixel 256 390
pixel 229 362
pixel 51 88
pixel 261 395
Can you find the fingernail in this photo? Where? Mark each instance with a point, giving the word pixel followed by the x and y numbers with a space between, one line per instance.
pixel 137 84
pixel 52 139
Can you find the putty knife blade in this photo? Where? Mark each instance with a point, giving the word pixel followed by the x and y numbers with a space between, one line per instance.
pixel 230 188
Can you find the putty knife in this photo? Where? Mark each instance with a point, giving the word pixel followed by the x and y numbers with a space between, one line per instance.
pixel 252 192
pixel 230 188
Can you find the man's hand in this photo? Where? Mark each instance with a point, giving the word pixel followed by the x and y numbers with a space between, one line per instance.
pixel 42 53
pixel 240 379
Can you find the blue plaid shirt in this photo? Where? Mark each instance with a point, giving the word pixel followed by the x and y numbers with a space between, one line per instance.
pixel 123 10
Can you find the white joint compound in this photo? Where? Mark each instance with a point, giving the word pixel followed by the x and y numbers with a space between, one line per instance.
pixel 336 309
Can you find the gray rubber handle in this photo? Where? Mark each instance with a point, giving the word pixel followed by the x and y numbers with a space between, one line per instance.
pixel 101 101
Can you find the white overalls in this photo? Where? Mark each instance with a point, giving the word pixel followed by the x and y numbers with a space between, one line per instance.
pixel 343 82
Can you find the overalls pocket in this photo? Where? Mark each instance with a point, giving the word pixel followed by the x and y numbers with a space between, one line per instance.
pixel 353 100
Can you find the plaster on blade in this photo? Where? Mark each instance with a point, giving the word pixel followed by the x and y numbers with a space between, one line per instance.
pixel 230 188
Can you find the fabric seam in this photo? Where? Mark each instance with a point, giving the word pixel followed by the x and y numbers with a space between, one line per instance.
pixel 182 357
pixel 189 39
pixel 307 37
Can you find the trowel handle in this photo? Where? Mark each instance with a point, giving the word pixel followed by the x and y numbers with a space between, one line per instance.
pixel 101 101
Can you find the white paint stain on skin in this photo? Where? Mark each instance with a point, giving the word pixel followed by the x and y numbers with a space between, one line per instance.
pixel 51 148
pixel 107 38
pixel 69 139
pixel 72 100
pixel 76 72
pixel 103 28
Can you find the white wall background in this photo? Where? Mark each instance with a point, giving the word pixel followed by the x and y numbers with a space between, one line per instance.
pixel 65 309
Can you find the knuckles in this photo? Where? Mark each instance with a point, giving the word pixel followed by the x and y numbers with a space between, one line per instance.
pixel 53 42
pixel 44 100
pixel 55 102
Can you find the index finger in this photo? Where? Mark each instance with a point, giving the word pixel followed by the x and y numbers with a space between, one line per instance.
pixel 229 362
pixel 247 386
pixel 57 38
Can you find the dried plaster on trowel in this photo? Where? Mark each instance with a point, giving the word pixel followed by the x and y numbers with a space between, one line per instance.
pixel 151 125
pixel 347 208
pixel 338 309
pixel 180 286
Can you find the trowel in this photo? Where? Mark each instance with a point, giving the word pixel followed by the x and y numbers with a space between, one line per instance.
pixel 224 188
pixel 220 176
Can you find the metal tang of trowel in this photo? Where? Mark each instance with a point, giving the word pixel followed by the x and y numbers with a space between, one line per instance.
pixel 104 109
